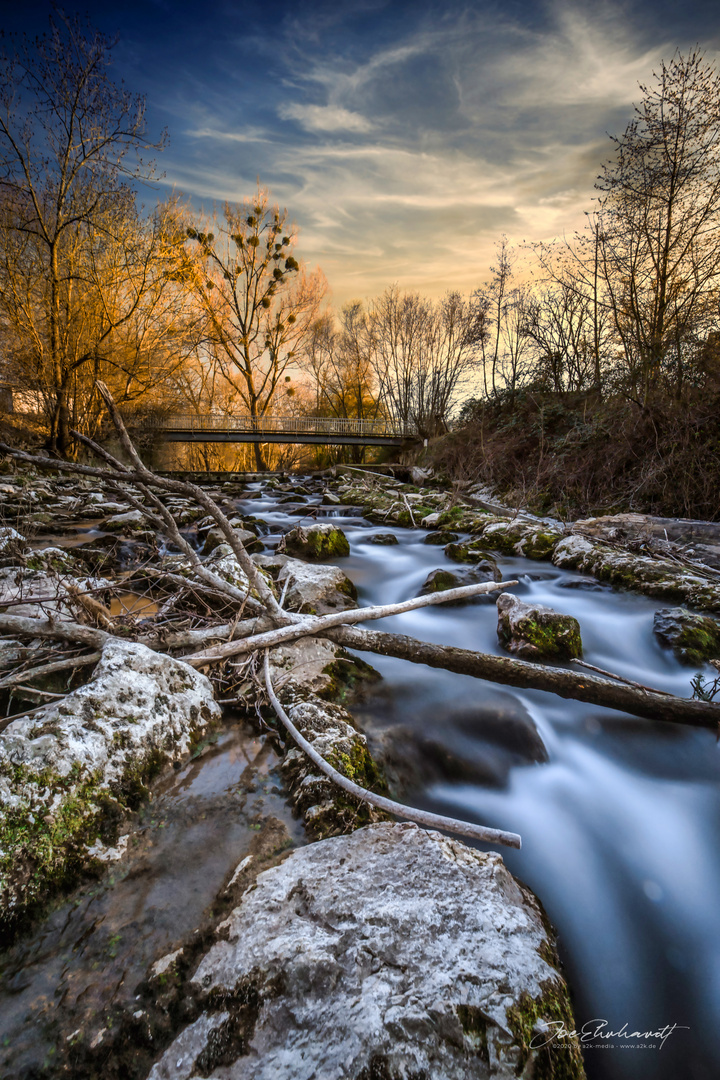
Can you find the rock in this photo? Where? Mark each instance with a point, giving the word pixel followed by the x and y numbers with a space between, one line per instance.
pixel 382 538
pixel 69 773
pixel 331 730
pixel 133 523
pixel 316 590
pixel 642 573
pixel 215 537
pixel 35 593
pixel 420 476
pixel 53 559
pixel 320 541
pixel 330 499
pixel 535 632
pixel 472 553
pixel 693 638
pixel 440 537
pixel 430 521
pixel 703 535
pixel 392 952
pixel 442 580
pixel 533 539
pixel 12 542
pixel 307 661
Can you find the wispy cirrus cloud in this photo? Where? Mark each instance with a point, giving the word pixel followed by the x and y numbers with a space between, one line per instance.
pixel 325 117
pixel 405 137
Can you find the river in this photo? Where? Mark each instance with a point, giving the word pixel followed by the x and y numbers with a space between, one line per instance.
pixel 619 823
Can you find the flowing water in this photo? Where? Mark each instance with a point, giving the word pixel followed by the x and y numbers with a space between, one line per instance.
pixel 619 819
pixel 619 816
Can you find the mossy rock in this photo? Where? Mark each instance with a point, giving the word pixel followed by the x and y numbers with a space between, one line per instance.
pixel 536 632
pixel 442 580
pixel 440 537
pixel 693 638
pixel 319 541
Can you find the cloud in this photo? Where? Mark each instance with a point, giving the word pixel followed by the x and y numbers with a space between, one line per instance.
pixel 325 118
pixel 405 144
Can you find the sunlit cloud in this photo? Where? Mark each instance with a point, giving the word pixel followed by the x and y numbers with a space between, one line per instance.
pixel 405 146
pixel 325 117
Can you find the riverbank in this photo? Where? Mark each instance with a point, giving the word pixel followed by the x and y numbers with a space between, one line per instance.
pixel 104 568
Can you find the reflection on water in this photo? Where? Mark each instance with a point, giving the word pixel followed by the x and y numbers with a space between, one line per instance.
pixel 619 816
pixel 91 953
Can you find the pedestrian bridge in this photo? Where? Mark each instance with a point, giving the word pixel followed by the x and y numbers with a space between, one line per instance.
pixel 323 430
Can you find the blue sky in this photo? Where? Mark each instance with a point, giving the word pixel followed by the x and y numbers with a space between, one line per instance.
pixel 404 138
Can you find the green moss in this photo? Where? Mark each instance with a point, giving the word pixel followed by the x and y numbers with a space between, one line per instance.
pixel 441 581
pixel 359 767
pixel 693 638
pixel 347 674
pixel 43 853
pixel 551 1063
pixel 474 1025
pixel 540 545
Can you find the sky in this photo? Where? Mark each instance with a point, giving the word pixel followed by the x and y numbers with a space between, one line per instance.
pixel 403 138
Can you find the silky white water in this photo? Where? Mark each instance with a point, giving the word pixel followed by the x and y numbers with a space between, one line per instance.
pixel 619 823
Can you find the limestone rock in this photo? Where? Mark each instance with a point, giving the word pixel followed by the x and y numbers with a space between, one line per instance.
pixel 11 541
pixel 693 638
pixel 35 592
pixel 215 537
pixel 642 573
pixel 390 952
pixel 320 541
pixel 66 772
pixel 533 631
pixel 430 521
pixel 130 523
pixel 316 589
pixel 440 538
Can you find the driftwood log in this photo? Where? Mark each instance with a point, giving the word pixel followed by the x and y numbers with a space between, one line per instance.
pixel 650 704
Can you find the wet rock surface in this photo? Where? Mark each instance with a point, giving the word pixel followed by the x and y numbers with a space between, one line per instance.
pixel 90 991
pixel 537 632
pixel 320 541
pixel 327 969
pixel 693 638
pixel 68 773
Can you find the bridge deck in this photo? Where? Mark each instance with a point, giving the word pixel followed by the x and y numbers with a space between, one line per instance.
pixel 284 429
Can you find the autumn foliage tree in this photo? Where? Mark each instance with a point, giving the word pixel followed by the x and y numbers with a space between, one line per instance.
pixel 78 261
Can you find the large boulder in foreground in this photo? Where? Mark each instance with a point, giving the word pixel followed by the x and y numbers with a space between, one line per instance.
pixel 320 541
pixel 392 952
pixel 69 773
pixel 693 638
pixel 535 632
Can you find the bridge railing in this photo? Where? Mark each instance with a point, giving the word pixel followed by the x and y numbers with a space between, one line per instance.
pixel 285 425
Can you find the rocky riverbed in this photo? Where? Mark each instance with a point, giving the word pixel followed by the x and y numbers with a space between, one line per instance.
pixel 394 951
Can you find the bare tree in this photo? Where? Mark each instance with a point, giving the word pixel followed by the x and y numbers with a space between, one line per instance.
pixel 259 303
pixel 423 354
pixel 659 221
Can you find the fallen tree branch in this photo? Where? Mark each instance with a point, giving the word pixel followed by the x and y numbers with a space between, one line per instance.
pixel 421 817
pixel 256 579
pixel 511 672
pixel 620 678
pixel 49 669
pixel 311 626
pixel 57 629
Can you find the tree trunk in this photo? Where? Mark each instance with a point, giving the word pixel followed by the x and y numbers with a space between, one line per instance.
pixel 513 672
